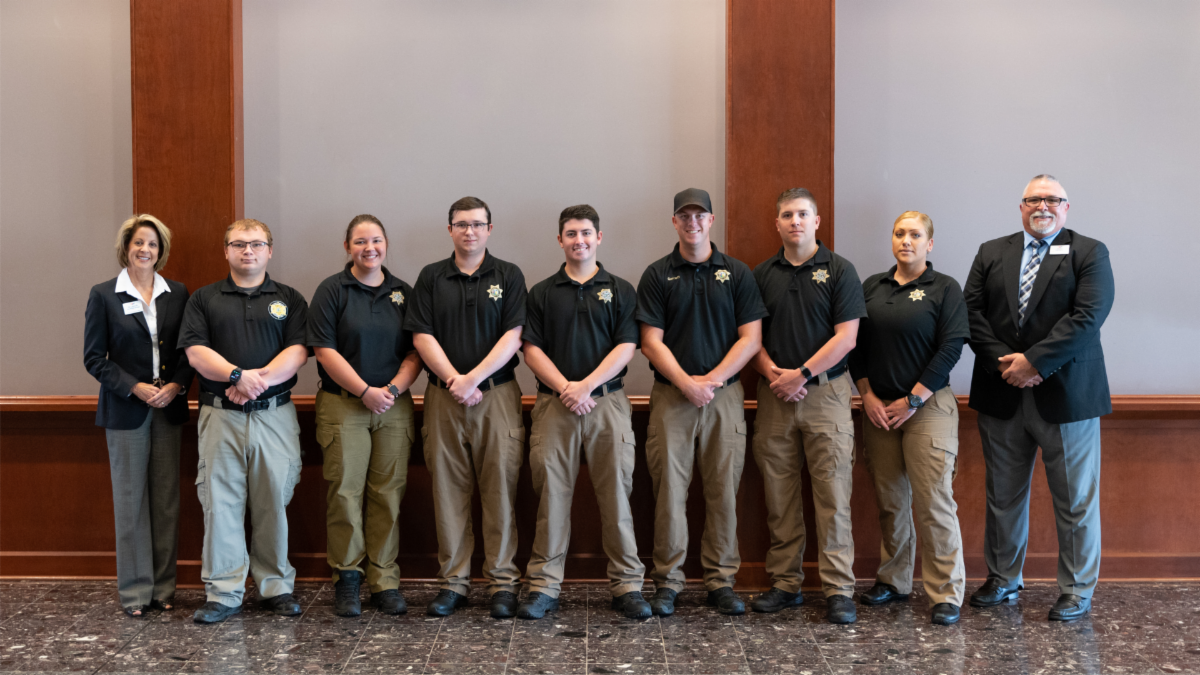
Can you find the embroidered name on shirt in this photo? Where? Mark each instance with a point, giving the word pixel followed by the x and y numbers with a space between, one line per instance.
pixel 278 310
pixel 821 276
pixel 672 278
pixel 916 295
pixel 495 292
pixel 398 297
pixel 605 295
pixel 722 275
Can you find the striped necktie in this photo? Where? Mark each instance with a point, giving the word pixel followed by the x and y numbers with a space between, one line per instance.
pixel 1027 279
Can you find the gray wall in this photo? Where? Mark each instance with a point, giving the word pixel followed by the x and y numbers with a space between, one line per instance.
pixel 950 107
pixel 65 181
pixel 398 109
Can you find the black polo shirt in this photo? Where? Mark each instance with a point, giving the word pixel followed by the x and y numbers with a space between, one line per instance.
pixel 247 330
pixel 806 301
pixel 468 314
pixel 912 333
pixel 364 324
pixel 699 307
pixel 578 325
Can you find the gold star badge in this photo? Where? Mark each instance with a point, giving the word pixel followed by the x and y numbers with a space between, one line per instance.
pixel 605 295
pixel 722 275
pixel 916 295
pixel 398 297
pixel 821 276
pixel 495 292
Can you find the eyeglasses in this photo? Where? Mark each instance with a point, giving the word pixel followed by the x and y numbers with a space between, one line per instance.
pixel 693 217
pixel 463 226
pixel 241 245
pixel 1050 201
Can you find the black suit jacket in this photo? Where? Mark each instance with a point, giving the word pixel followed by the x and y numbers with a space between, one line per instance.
pixel 117 352
pixel 1070 300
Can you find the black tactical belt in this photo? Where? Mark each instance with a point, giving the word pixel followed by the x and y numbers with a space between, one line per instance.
pixel 490 383
pixel 215 401
pixel 615 384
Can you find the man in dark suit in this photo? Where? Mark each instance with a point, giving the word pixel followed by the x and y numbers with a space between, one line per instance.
pixel 1037 300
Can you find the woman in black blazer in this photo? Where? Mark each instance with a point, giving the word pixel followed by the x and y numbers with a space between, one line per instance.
pixel 131 330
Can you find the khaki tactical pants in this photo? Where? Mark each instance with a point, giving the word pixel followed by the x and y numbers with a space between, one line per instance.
pixel 606 436
pixel 680 435
pixel 914 468
pixel 364 453
pixel 247 459
pixel 817 431
pixel 483 444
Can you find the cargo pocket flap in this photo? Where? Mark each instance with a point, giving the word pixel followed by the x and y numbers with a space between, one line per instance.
pixel 740 427
pixel 845 427
pixel 946 444
pixel 629 437
pixel 518 433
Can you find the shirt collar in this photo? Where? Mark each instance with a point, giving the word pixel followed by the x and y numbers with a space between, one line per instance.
pixel 488 264
pixel 348 279
pixel 822 256
pixel 601 276
pixel 267 286
pixel 1049 240
pixel 125 285
pixel 717 258
pixel 926 277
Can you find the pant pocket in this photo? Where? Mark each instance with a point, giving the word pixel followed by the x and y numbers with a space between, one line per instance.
pixel 293 479
pixel 202 484
pixel 947 447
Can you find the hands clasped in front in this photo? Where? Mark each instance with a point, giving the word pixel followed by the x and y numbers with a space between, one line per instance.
pixel 156 397
pixel 465 389
pixel 1018 371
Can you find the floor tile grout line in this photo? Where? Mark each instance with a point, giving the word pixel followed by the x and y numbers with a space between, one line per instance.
pixel 438 634
pixel 366 630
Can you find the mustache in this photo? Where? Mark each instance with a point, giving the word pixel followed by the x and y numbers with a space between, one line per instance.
pixel 1042 214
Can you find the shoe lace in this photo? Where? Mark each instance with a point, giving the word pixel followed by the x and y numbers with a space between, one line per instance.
pixel 345 592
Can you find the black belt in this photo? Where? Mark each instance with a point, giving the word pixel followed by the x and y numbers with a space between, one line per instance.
pixel 831 374
pixel 215 401
pixel 660 378
pixel 489 383
pixel 333 388
pixel 615 384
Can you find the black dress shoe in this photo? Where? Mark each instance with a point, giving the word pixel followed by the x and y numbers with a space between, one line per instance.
pixel 840 609
pixel 445 602
pixel 283 605
pixel 663 602
pixel 1070 607
pixel 992 593
pixel 944 614
pixel 163 605
pixel 214 612
pixel 776 599
pixel 536 605
pixel 726 601
pixel 504 605
pixel 389 601
pixel 881 593
pixel 632 605
pixel 346 600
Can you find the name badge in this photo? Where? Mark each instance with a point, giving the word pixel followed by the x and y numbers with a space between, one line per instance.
pixel 1062 249
pixel 132 307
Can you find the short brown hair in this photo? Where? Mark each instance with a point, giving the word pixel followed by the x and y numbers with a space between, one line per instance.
pixel 130 227
pixel 792 194
pixel 916 215
pixel 249 224
pixel 469 204
pixel 578 212
pixel 359 220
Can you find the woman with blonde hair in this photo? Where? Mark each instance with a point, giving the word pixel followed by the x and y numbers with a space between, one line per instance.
pixel 131 329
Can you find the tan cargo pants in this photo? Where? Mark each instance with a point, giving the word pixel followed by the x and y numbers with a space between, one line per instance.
pixel 464 446
pixel 914 468
pixel 818 431
pixel 366 454
pixel 606 436
pixel 679 436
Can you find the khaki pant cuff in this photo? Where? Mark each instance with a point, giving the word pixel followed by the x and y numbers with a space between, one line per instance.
pixel 787 588
pixel 544 590
pixel 496 588
pixel 628 587
pixel 678 588
pixel 830 592
pixel 711 586
pixel 461 589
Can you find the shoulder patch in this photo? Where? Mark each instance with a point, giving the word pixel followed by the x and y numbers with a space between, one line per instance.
pixel 277 309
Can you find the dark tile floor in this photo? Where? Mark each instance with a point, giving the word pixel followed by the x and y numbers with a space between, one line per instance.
pixel 78 627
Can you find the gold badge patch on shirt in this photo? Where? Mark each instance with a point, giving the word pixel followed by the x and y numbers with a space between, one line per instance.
pixel 398 297
pixel 278 310
pixel 916 295
pixel 495 292
pixel 605 295
pixel 821 276
pixel 722 275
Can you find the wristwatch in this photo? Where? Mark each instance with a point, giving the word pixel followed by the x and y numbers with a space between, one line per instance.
pixel 806 373
pixel 393 390
pixel 235 376
pixel 915 402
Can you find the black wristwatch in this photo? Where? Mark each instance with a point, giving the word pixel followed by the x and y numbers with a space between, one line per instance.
pixel 393 390
pixel 235 376
pixel 915 402
pixel 806 373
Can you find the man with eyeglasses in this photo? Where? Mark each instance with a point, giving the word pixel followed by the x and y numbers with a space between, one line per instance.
pixel 245 338
pixel 701 322
pixel 1036 301
pixel 466 317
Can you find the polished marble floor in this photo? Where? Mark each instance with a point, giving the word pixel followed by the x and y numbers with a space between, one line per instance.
pixel 78 627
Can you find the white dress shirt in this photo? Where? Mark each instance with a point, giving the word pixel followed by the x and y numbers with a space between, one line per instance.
pixel 125 284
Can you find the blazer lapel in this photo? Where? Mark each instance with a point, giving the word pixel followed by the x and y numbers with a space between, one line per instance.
pixel 1012 274
pixel 161 311
pixel 1050 264
pixel 141 316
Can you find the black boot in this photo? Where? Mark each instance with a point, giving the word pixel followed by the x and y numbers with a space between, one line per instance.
pixel 345 593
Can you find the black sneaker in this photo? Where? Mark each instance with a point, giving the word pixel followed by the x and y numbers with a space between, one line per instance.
pixel 775 600
pixel 445 602
pixel 840 609
pixel 346 601
pixel 504 605
pixel 389 601
pixel 535 606
pixel 726 601
pixel 632 605
pixel 283 605
pixel 663 602
pixel 214 612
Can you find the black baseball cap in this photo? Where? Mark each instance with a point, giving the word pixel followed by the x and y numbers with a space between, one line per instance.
pixel 693 197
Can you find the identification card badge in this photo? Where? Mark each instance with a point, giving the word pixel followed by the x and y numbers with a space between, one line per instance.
pixel 132 307
pixel 1061 249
